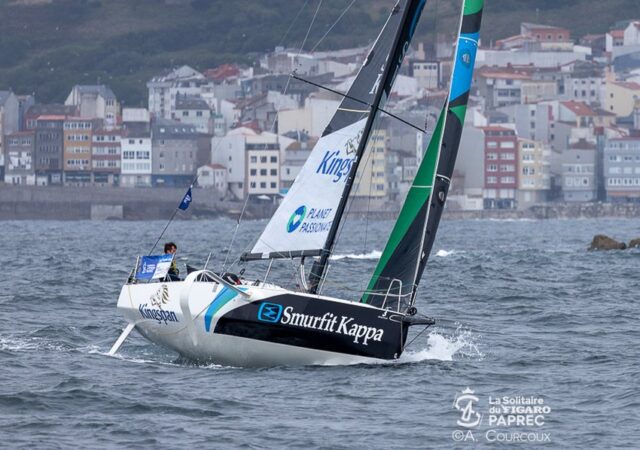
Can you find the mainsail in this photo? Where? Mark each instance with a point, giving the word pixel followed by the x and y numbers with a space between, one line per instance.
pixel 405 255
pixel 306 221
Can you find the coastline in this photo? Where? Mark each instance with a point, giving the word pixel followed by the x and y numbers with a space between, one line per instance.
pixel 114 203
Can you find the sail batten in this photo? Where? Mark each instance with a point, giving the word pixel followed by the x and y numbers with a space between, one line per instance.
pixel 406 253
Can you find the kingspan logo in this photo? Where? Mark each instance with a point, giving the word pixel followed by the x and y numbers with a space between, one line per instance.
pixel 296 219
pixel 332 164
pixel 158 315
pixel 362 334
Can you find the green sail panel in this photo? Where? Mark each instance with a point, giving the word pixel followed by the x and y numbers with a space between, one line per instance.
pixel 398 258
pixel 404 258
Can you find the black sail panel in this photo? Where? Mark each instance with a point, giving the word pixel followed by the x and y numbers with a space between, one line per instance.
pixel 384 63
pixel 403 260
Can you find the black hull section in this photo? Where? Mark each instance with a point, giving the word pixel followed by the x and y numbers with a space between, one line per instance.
pixel 307 322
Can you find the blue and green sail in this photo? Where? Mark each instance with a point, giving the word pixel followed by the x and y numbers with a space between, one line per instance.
pixel 405 255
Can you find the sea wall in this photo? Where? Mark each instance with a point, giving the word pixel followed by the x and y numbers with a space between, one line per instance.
pixel 103 203
pixel 111 203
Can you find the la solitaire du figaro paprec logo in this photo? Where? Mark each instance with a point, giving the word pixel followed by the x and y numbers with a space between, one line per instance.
pixel 465 403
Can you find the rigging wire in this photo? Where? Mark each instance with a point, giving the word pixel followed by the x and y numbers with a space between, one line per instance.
pixel 332 26
pixel 295 19
pixel 272 129
pixel 313 20
pixel 417 336
pixel 235 232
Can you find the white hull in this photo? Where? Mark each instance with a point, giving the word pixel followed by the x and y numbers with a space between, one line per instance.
pixel 186 317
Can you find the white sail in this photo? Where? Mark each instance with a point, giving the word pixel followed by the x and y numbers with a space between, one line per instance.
pixel 302 222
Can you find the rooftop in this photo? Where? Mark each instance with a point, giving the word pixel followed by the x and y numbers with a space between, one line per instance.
pixel 221 73
pixel 98 89
pixel 628 85
pixel 52 109
pixel 579 108
pixel 171 129
pixel 4 96
pixel 190 102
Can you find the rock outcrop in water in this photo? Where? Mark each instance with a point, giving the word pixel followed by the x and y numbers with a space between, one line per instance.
pixel 603 242
pixel 634 243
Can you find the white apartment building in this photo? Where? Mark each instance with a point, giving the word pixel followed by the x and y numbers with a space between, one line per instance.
pixel 252 159
pixel 136 160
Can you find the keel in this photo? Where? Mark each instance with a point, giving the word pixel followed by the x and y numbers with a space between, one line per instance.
pixel 122 338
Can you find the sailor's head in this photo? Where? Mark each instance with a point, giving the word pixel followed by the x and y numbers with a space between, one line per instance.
pixel 170 247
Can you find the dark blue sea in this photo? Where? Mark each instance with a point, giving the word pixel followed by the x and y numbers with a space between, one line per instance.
pixel 526 316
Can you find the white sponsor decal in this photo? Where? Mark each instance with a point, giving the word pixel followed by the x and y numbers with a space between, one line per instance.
pixel 347 326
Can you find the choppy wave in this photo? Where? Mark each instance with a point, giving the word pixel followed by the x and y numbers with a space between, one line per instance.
pixel 445 253
pixel 375 254
pixel 462 345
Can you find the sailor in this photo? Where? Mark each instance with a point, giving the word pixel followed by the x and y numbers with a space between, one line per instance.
pixel 174 274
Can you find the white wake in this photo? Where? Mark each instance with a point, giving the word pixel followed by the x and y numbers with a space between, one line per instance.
pixel 375 254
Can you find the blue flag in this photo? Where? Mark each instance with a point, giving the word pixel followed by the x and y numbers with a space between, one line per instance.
pixel 186 201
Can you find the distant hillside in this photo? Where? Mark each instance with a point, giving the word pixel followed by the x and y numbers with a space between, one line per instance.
pixel 48 46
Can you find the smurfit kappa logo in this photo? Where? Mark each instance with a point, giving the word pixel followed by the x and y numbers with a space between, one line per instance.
pixel 270 312
pixel 296 219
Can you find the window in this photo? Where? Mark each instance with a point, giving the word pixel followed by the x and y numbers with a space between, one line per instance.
pixel 492 144
pixel 492 156
pixel 263 159
pixel 274 159
pixel 492 180
pixel 253 184
pixel 274 172
pixel 198 113
pixel 273 185
pixel 254 159
pixel 492 168
pixel 185 113
pixel 253 172
pixel 263 172
pixel 263 185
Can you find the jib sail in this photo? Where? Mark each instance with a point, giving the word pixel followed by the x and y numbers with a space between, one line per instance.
pixel 403 260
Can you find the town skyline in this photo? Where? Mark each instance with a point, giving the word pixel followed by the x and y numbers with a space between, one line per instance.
pixel 549 117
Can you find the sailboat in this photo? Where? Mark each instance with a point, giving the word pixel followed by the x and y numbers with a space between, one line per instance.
pixel 240 322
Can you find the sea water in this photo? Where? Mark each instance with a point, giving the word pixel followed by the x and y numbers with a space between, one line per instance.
pixel 524 311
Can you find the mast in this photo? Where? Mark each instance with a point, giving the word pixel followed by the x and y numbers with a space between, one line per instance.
pixel 406 253
pixel 300 226
pixel 411 11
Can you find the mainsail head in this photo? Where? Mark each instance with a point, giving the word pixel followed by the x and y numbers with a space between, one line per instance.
pixel 303 223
